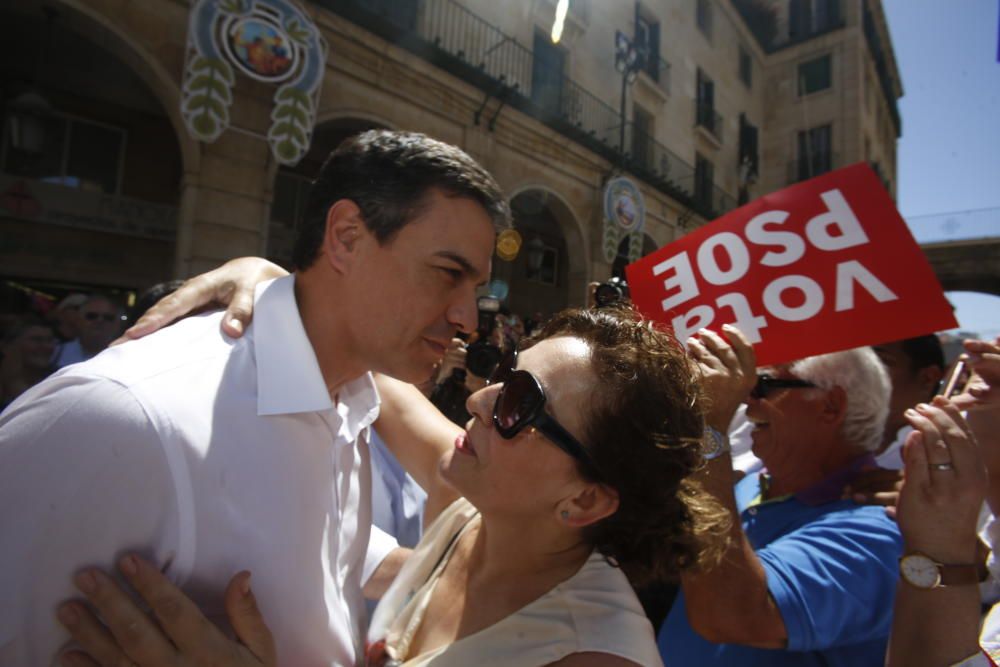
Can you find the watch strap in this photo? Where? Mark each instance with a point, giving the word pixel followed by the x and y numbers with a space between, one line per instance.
pixel 959 575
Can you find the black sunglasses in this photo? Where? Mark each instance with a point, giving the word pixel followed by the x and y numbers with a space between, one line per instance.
pixel 766 385
pixel 521 403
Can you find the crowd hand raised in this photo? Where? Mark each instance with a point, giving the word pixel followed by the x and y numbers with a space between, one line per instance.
pixel 728 369
pixel 454 358
pixel 944 484
pixel 231 285
pixel 982 392
pixel 179 635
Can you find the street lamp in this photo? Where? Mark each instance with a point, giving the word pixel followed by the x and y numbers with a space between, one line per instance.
pixel 628 62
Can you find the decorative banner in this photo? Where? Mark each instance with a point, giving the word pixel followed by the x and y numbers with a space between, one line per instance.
pixel 821 266
pixel 623 204
pixel 508 245
pixel 635 246
pixel 610 241
pixel 270 41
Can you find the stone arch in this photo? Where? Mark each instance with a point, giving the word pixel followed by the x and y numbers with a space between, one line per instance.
pixel 129 49
pixel 622 259
pixel 545 216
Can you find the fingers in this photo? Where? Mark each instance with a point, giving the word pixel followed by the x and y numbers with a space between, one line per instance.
pixel 80 659
pixel 915 462
pixel 247 621
pixel 179 617
pixel 935 449
pixel 193 294
pixel 239 312
pixel 130 632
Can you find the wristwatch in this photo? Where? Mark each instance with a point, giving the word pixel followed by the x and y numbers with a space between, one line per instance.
pixel 715 444
pixel 921 571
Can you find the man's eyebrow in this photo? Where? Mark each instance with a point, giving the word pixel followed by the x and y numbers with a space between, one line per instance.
pixel 466 265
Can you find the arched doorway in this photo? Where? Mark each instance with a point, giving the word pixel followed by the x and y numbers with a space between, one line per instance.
pixel 291 184
pixel 539 278
pixel 622 259
pixel 90 164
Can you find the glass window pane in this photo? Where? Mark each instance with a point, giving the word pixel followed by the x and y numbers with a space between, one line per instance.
pixel 94 156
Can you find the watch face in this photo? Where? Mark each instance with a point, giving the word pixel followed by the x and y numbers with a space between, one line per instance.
pixel 920 571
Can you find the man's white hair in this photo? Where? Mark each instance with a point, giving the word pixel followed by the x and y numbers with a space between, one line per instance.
pixel 865 382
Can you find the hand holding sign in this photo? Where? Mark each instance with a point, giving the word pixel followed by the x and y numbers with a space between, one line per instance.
pixel 820 266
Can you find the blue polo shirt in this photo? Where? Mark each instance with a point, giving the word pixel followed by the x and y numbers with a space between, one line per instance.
pixel 831 567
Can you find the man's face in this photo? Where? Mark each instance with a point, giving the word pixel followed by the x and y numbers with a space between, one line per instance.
pixel 786 424
pixel 100 322
pixel 413 293
pixel 909 385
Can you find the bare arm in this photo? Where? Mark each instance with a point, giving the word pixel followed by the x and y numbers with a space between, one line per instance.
pixel 418 435
pixel 729 603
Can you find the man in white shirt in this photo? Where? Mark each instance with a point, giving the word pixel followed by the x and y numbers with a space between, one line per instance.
pixel 210 454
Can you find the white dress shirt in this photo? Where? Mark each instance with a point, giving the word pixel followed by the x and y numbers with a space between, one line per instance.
pixel 206 454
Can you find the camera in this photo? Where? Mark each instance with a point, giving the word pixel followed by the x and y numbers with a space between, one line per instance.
pixel 482 356
pixel 611 292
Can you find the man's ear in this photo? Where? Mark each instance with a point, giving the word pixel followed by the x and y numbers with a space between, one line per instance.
pixel 834 406
pixel 591 504
pixel 345 228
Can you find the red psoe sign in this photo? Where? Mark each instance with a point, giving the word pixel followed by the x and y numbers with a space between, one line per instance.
pixel 820 266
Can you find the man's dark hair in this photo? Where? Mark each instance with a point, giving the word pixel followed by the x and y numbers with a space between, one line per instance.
pixel 923 351
pixel 388 175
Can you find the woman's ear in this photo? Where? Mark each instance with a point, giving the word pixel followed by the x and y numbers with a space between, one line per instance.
pixel 593 503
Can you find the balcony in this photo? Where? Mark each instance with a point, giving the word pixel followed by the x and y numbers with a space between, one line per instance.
pixel 658 70
pixel 802 169
pixel 447 34
pixel 708 119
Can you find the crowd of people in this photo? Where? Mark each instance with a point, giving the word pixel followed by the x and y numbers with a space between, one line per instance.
pixel 277 480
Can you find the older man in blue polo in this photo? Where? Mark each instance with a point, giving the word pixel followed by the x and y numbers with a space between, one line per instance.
pixel 808 578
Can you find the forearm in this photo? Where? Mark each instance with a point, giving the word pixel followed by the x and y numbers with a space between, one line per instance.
pixel 730 603
pixel 939 626
pixel 418 435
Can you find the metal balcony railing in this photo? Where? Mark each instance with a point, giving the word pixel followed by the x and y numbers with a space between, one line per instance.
pixel 804 168
pixel 707 117
pixel 449 35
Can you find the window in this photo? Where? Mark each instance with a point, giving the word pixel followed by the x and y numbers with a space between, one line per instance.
pixel 547 72
pixel 647 41
pixel 815 154
pixel 705 114
pixel 69 151
pixel 746 68
pixel 642 126
pixel 815 75
pixel 704 176
pixel 547 271
pixel 288 206
pixel 810 17
pixel 703 12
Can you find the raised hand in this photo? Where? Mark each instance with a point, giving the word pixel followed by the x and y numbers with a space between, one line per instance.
pixel 728 367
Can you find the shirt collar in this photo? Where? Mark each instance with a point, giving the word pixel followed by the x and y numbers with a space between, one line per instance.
pixel 829 488
pixel 288 375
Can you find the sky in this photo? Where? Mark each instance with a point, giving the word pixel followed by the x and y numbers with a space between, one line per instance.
pixel 949 154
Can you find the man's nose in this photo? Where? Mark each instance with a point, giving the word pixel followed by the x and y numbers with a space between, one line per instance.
pixel 464 313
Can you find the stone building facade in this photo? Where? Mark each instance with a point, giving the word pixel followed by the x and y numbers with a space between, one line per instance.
pixel 727 100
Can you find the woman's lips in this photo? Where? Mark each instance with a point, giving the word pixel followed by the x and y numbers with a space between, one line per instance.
pixel 463 445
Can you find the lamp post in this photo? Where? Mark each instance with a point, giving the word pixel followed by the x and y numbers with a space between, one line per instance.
pixel 628 62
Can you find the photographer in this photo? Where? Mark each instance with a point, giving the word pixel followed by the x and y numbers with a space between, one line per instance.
pixel 464 369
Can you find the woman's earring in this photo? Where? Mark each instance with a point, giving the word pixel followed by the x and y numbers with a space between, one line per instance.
pixel 564 514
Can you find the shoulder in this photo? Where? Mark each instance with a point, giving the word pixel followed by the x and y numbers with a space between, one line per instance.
pixel 606 615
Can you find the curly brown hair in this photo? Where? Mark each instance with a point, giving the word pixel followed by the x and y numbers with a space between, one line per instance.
pixel 644 436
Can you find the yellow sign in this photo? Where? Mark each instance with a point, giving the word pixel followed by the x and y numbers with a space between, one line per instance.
pixel 508 245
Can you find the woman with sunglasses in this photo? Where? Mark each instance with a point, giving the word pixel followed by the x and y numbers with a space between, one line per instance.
pixel 570 481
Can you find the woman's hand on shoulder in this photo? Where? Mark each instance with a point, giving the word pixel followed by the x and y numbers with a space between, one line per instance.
pixel 178 633
pixel 231 285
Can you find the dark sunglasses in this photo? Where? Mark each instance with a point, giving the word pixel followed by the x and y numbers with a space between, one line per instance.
pixel 93 317
pixel 766 385
pixel 521 403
